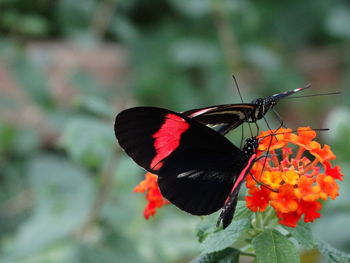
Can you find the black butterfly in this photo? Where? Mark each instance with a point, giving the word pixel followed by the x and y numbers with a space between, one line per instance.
pixel 199 170
pixel 224 118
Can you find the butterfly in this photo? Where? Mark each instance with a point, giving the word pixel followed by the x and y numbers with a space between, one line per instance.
pixel 224 118
pixel 199 170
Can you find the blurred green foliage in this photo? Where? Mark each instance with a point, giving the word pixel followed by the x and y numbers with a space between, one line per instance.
pixel 65 185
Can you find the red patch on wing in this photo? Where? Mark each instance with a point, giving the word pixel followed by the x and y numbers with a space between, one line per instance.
pixel 167 138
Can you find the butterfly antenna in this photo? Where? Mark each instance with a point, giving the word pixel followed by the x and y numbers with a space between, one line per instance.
pixel 313 95
pixel 277 133
pixel 240 96
pixel 239 91
pixel 242 136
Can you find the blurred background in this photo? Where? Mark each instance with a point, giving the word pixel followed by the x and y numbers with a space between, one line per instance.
pixel 68 67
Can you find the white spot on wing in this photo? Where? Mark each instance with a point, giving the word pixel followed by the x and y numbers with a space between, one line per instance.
pixel 193 174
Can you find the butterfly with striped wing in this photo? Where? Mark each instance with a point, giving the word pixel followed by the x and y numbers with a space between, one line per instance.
pixel 224 118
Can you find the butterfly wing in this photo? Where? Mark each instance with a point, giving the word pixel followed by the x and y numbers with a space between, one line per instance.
pixel 223 118
pixel 228 210
pixel 196 166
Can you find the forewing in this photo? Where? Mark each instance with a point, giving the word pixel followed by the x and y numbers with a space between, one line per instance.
pixel 134 129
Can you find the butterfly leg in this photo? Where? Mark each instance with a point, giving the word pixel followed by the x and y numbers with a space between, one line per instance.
pixel 242 137
pixel 250 128
pixel 279 119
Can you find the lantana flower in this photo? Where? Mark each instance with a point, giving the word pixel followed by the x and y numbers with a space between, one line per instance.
pixel 153 195
pixel 295 178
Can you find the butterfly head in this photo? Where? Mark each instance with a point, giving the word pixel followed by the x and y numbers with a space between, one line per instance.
pixel 250 146
pixel 263 105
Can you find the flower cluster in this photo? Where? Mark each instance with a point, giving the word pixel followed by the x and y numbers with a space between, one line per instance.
pixel 153 195
pixel 296 181
pixel 293 184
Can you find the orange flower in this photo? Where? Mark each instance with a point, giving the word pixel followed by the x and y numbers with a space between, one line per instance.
pixel 309 209
pixel 153 195
pixel 259 199
pixel 304 138
pixel 289 219
pixel 290 176
pixel 285 200
pixel 324 154
pixel 272 178
pixel 298 179
pixel 334 172
pixel 306 191
pixel 256 170
pixel 328 186
pixel 272 142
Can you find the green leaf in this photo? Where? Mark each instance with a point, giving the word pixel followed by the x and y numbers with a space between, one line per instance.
pixel 262 57
pixel 272 247
pixel 7 137
pixel 223 239
pixel 331 254
pixel 303 234
pixel 33 82
pixel 87 85
pixel 105 251
pixel 74 19
pixel 89 140
pixel 194 9
pixel 95 105
pixel 33 25
pixel 338 22
pixel 63 198
pixel 122 28
pixel 242 211
pixel 206 226
pixel 227 255
pixel 194 52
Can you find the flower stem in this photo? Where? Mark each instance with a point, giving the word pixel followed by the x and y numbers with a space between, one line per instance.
pixel 260 221
pixel 300 153
pixel 310 166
